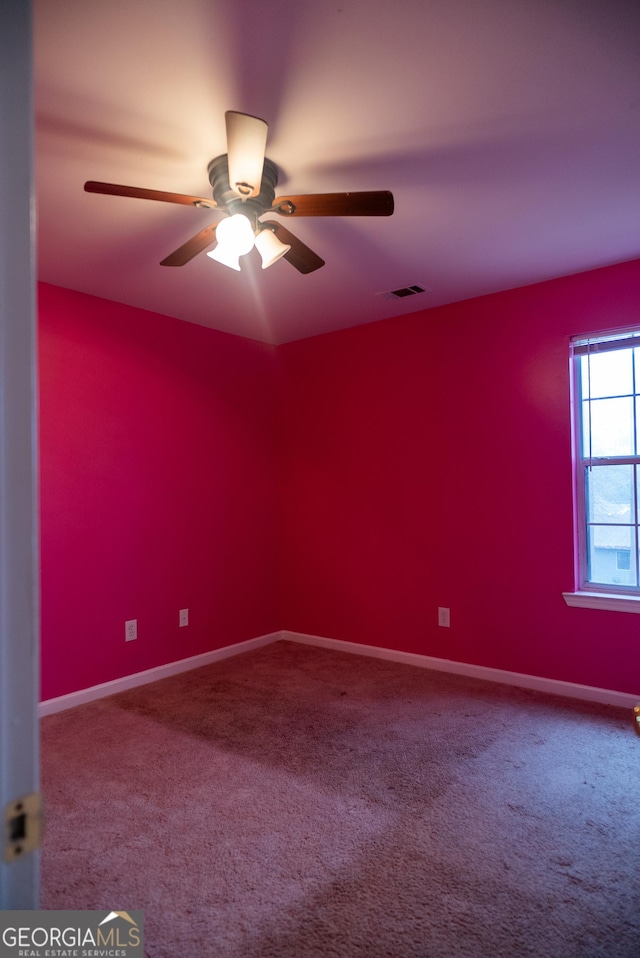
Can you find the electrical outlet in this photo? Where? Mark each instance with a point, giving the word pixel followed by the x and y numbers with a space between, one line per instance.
pixel 130 630
pixel 444 618
pixel 184 617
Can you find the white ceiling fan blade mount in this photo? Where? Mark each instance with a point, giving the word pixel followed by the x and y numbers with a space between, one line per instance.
pixel 246 145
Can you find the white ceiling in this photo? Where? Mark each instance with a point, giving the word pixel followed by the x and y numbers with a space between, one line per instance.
pixel 507 130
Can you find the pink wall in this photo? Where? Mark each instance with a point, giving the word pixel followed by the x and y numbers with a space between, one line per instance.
pixel 158 489
pixel 427 462
pixel 424 461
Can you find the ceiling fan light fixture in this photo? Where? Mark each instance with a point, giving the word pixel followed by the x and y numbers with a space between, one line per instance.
pixel 225 256
pixel 235 238
pixel 236 233
pixel 271 249
pixel 244 183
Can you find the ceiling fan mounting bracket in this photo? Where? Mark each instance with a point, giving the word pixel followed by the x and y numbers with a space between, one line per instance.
pixel 286 208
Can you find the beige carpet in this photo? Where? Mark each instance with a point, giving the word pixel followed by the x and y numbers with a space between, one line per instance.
pixel 296 802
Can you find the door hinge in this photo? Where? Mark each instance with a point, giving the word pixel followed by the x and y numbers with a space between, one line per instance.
pixel 22 826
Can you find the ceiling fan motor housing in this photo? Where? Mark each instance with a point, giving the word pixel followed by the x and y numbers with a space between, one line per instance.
pixel 227 199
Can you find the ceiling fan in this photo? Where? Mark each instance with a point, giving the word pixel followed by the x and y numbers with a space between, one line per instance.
pixel 244 182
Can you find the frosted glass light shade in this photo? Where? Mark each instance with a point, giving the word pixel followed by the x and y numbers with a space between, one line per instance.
pixel 225 256
pixel 236 233
pixel 235 238
pixel 270 247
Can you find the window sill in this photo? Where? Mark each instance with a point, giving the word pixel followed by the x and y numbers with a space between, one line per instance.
pixel 603 600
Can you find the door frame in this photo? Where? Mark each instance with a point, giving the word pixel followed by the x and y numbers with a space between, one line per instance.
pixel 19 524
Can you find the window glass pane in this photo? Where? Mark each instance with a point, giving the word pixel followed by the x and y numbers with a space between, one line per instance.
pixel 623 560
pixel 611 427
pixel 606 544
pixel 607 374
pixel 610 494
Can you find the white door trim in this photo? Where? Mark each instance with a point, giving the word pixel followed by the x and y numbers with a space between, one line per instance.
pixel 19 573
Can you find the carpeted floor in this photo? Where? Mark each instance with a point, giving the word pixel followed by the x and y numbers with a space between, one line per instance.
pixel 296 802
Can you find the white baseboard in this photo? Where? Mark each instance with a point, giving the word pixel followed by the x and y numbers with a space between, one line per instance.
pixel 553 686
pixel 50 706
pixel 587 693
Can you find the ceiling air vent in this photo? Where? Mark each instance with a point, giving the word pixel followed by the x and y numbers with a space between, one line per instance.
pixel 404 291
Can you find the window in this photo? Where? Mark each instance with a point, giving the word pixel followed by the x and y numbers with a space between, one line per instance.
pixel 606 395
pixel 623 559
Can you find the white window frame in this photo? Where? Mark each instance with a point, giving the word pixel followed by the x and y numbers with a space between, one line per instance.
pixel 588 594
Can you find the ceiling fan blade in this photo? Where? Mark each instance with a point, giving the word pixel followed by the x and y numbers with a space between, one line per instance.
pixel 372 203
pixel 191 248
pixel 113 189
pixel 246 145
pixel 300 256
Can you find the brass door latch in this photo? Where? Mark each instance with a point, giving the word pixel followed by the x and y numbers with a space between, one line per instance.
pixel 22 826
